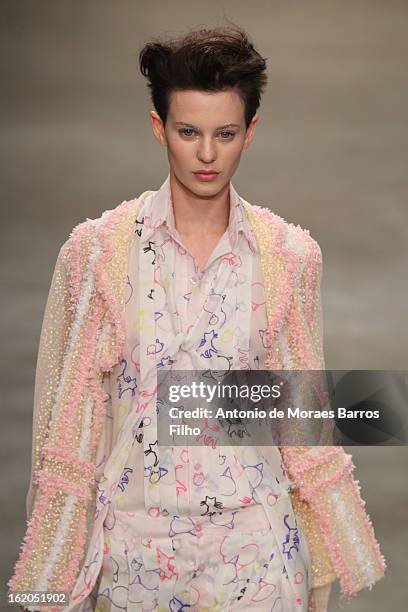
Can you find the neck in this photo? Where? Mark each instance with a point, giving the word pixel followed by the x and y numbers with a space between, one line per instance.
pixel 199 215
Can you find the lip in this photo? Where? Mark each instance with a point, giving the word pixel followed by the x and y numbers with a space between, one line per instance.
pixel 206 175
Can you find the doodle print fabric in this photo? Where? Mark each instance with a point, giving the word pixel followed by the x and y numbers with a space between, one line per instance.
pixel 197 528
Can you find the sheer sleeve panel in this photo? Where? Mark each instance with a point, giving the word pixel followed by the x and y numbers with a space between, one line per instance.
pixel 53 341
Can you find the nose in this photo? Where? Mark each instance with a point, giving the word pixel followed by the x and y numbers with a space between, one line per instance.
pixel 206 151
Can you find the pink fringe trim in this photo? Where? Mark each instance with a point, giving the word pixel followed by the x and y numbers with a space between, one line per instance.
pixel 88 469
pixel 67 420
pixel 299 464
pixel 309 491
pixel 30 539
pixel 52 483
pixel 74 264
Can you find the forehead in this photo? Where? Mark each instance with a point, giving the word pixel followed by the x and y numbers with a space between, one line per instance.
pixel 206 108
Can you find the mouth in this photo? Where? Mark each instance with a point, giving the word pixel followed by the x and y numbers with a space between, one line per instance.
pixel 206 175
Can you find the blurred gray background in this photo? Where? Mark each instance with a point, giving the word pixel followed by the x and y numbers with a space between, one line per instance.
pixel 330 154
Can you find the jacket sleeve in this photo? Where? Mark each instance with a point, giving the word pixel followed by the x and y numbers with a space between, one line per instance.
pixel 327 498
pixel 69 408
pixel 53 341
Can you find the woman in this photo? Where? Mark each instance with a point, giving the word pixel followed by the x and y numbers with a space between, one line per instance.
pixel 189 277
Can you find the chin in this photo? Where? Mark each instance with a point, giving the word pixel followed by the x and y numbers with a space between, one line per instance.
pixel 207 190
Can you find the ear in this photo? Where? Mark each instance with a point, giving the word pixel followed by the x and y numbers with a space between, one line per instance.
pixel 250 131
pixel 158 128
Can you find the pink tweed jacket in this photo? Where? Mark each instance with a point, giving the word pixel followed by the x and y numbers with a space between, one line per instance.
pixel 82 338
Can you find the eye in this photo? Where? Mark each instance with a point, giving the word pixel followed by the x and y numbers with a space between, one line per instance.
pixel 186 131
pixel 225 134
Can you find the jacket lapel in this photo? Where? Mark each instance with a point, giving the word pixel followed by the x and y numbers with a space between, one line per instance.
pixel 115 237
pixel 278 265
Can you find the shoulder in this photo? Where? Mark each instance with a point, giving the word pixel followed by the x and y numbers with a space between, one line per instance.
pixel 287 236
pixel 92 231
pixel 106 219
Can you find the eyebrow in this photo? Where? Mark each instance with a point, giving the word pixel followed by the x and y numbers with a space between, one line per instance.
pixel 222 127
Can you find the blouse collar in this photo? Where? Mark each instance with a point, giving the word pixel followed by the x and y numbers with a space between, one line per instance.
pixel 158 210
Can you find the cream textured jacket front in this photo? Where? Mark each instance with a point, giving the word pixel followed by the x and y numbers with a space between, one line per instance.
pixel 83 337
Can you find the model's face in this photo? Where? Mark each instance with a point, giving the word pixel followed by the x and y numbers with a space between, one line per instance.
pixel 204 131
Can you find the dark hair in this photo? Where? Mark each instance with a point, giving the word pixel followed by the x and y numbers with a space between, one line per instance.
pixel 207 60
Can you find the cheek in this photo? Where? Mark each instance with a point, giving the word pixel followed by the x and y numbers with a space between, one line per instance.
pixel 179 151
pixel 232 152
